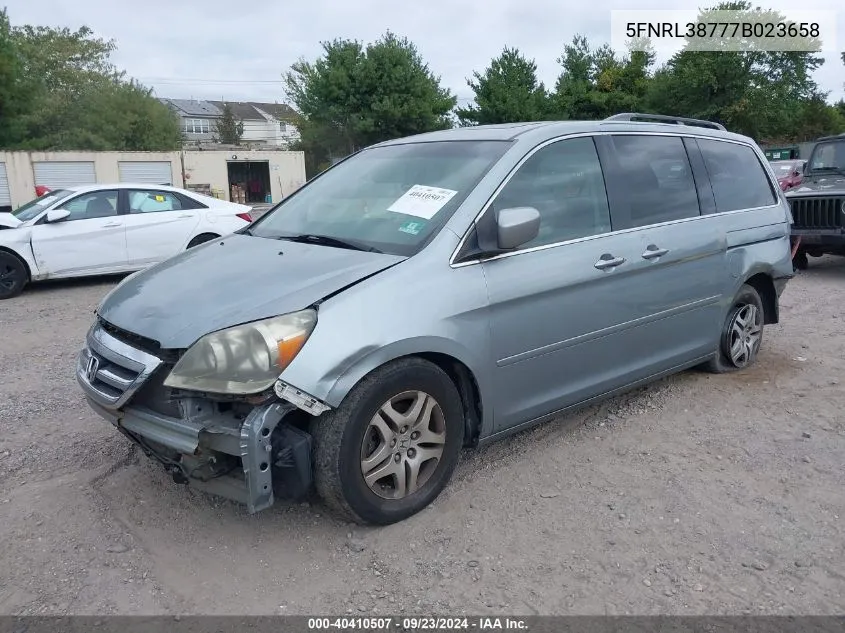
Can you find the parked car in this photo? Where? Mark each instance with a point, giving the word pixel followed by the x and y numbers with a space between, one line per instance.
pixel 104 229
pixel 818 203
pixel 436 292
pixel 789 173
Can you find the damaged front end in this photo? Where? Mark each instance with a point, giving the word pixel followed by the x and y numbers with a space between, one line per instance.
pixel 249 448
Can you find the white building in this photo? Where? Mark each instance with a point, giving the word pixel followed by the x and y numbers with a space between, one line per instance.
pixel 265 176
pixel 265 124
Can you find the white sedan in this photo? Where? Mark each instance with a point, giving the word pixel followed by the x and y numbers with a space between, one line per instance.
pixel 106 229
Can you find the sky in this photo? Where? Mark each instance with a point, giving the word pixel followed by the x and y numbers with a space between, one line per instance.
pixel 238 51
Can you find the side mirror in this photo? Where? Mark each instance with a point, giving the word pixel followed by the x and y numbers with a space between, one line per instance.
pixel 516 226
pixel 57 215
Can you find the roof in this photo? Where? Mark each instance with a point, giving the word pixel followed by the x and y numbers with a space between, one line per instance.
pixel 244 110
pixel 277 110
pixel 194 107
pixel 123 185
pixel 542 130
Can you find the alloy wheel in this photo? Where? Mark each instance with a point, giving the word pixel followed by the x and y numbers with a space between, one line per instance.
pixel 403 445
pixel 744 335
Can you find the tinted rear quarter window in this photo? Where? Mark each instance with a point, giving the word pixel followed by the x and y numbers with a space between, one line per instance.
pixel 190 203
pixel 654 180
pixel 738 179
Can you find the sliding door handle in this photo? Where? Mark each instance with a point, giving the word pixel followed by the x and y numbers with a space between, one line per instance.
pixel 652 252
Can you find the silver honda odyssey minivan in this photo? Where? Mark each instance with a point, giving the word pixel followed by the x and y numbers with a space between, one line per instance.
pixel 436 292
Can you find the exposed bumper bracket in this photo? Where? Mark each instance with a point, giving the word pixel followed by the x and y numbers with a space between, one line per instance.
pixel 256 453
pixel 299 398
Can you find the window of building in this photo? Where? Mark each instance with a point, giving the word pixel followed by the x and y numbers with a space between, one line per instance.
pixel 196 126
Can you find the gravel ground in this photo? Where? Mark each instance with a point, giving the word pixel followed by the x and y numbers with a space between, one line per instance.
pixel 698 495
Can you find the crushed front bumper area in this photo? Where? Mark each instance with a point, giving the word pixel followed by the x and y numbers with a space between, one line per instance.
pixel 249 454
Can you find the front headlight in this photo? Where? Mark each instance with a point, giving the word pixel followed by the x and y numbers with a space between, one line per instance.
pixel 243 359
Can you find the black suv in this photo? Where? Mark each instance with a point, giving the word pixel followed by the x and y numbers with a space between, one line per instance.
pixel 818 203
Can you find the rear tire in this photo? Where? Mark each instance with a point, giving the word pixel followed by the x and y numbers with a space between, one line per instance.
pixel 202 239
pixel 13 275
pixel 742 333
pixel 391 446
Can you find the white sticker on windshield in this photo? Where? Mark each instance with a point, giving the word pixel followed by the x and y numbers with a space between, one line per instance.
pixel 422 201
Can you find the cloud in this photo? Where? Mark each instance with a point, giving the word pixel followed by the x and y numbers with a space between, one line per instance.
pixel 220 49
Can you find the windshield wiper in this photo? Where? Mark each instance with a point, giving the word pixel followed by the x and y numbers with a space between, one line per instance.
pixel 325 240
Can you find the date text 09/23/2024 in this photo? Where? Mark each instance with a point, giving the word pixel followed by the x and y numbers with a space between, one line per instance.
pixel 417 623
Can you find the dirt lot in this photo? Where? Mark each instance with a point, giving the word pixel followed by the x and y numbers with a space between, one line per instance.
pixel 700 494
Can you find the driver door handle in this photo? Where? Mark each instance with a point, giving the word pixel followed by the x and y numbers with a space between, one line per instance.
pixel 185 215
pixel 653 252
pixel 609 261
pixel 112 225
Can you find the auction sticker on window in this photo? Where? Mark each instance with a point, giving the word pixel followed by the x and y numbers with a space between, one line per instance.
pixel 422 201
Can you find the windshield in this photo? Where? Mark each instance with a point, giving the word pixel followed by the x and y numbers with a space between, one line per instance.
pixel 388 199
pixel 35 207
pixel 828 155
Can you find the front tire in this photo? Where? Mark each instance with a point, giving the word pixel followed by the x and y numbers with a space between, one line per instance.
pixel 391 446
pixel 742 333
pixel 13 275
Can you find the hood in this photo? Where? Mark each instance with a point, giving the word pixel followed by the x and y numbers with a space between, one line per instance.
pixel 814 184
pixel 9 221
pixel 231 281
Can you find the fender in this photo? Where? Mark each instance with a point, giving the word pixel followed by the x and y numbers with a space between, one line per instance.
pixel 375 358
pixel 18 242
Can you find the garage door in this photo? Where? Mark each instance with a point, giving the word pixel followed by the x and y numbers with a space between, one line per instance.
pixel 5 198
pixel 58 174
pixel 147 172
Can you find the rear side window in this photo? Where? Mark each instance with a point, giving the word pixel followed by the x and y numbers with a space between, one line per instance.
pixel 189 203
pixel 737 177
pixel 654 181
pixel 153 201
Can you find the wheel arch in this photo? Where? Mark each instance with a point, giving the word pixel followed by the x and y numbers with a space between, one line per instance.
pixel 20 258
pixel 460 367
pixel 764 284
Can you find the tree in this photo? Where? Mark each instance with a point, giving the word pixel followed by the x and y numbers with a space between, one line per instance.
pixel 752 91
pixel 353 96
pixel 70 95
pixel 112 116
pixel 507 91
pixel 595 84
pixel 571 95
pixel 815 118
pixel 229 129
pixel 13 97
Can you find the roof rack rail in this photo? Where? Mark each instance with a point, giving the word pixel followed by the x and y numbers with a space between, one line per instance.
pixel 662 118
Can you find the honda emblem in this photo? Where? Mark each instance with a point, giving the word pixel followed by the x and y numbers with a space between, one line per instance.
pixel 91 368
